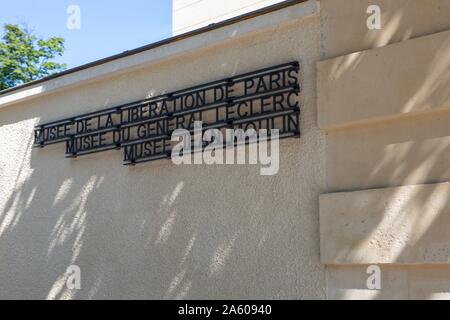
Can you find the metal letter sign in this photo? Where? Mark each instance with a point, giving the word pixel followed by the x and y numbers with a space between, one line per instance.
pixel 263 99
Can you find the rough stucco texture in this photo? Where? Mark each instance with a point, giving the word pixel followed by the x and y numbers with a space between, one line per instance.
pixel 160 230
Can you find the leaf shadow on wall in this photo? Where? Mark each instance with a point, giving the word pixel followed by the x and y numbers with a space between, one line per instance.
pixel 391 153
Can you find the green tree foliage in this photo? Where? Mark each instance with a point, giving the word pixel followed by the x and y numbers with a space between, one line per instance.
pixel 24 57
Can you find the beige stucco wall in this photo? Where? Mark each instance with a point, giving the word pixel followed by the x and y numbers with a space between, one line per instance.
pixel 158 230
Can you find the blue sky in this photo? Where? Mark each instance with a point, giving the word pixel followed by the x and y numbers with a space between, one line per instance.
pixel 107 27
